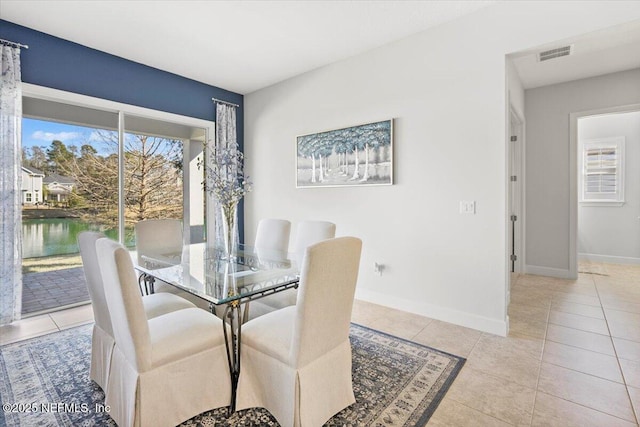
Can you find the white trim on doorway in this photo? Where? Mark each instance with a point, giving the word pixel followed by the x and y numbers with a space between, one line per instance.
pixel 517 158
pixel 537 270
pixel 515 165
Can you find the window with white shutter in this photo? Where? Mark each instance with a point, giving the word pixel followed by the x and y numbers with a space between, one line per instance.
pixel 602 178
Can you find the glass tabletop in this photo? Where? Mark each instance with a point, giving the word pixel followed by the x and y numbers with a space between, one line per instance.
pixel 207 273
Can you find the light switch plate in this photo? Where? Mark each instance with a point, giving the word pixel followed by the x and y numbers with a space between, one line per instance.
pixel 468 207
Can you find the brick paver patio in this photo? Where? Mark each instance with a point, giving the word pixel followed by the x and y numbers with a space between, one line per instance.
pixel 52 289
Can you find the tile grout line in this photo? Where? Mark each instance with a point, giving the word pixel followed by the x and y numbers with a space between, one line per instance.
pixel 54 322
pixel 541 361
pixel 477 410
pixel 544 344
pixel 587 407
pixel 615 351
pixel 467 367
pixel 578 314
pixel 588 374
pixel 581 348
pixel 420 331
pixel 489 374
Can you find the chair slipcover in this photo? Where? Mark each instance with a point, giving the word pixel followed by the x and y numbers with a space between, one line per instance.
pixel 311 232
pixel 162 239
pixel 272 243
pixel 158 237
pixel 164 370
pixel 307 233
pixel 296 362
pixel 273 234
pixel 102 340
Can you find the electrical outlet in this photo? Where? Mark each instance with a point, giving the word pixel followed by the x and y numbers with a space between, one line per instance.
pixel 377 268
pixel 468 207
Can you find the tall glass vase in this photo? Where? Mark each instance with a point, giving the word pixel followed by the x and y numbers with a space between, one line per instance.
pixel 229 229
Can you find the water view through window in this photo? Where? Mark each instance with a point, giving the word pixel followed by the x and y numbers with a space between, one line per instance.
pixel 70 185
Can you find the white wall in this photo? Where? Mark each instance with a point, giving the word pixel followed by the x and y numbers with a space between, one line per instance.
pixel 547 160
pixel 446 89
pixel 612 233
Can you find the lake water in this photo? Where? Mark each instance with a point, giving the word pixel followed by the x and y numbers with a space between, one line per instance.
pixel 59 236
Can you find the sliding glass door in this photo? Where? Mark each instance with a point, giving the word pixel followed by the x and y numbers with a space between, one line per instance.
pixel 153 178
pixel 69 177
pixel 93 169
pixel 161 173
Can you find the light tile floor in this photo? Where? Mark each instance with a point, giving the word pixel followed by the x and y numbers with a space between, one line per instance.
pixel 34 326
pixel 572 357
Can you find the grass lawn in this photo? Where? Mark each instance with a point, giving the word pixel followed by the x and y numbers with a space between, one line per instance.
pixel 39 265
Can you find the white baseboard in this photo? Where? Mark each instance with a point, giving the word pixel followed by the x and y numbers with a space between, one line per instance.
pixel 609 259
pixel 469 320
pixel 547 271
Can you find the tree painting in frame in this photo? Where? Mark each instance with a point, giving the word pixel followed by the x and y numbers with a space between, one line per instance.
pixel 357 155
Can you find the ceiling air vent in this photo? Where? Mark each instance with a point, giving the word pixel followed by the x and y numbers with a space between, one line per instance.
pixel 555 53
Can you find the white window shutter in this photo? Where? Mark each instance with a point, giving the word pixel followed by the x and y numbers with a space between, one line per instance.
pixel 602 174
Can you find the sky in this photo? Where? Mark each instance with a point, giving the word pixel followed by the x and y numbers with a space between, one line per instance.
pixel 41 133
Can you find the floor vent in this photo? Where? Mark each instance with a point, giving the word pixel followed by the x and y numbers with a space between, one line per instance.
pixel 554 53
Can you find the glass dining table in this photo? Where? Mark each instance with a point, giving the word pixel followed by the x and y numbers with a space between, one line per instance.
pixel 227 282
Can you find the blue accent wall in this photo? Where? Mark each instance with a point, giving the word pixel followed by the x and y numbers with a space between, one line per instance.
pixel 60 64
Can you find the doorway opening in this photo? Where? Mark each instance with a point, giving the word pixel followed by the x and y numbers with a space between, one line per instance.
pixel 605 215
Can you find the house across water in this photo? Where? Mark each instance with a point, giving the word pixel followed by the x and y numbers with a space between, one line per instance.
pixel 57 188
pixel 39 187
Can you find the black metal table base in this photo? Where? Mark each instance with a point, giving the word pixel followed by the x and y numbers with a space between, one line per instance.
pixel 233 317
pixel 149 283
pixel 232 339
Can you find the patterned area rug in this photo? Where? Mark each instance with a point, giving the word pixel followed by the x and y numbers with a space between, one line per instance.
pixel 44 381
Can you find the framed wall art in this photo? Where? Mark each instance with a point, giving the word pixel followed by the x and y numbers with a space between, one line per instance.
pixel 352 156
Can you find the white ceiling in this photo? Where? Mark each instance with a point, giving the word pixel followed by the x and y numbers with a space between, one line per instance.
pixel 241 46
pixel 244 46
pixel 601 52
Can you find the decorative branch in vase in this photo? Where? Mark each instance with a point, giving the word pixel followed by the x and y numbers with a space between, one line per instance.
pixel 226 182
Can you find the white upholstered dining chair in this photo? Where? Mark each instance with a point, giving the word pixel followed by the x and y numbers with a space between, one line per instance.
pixel 161 239
pixel 296 362
pixel 164 370
pixel 102 340
pixel 272 244
pixel 273 234
pixel 307 233
pixel 311 232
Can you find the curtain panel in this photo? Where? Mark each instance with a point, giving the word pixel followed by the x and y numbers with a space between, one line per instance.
pixel 10 186
pixel 225 137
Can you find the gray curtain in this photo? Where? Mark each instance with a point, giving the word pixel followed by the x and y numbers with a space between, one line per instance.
pixel 10 186
pixel 225 137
